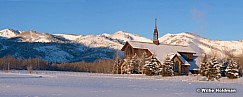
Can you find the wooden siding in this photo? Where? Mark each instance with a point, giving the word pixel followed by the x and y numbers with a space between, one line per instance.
pixel 128 51
pixel 176 58
pixel 184 70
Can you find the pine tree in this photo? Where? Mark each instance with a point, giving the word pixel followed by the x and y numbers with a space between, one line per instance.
pixel 116 67
pixel 134 64
pixel 142 59
pixel 126 68
pixel 223 67
pixel 203 68
pixel 213 69
pixel 151 66
pixel 130 65
pixel 167 69
pixel 232 70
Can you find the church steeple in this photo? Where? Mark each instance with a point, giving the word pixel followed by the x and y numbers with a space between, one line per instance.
pixel 155 23
pixel 155 35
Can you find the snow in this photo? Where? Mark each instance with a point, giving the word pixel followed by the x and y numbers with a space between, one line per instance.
pixel 55 54
pixel 8 33
pixel 117 40
pixel 201 44
pixel 161 51
pixel 96 41
pixel 71 84
pixel 128 36
pixel 198 43
pixel 104 40
pixel 70 36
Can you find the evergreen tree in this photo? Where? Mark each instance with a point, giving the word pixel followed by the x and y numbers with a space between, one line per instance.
pixel 151 66
pixel 117 67
pixel 232 70
pixel 203 68
pixel 142 59
pixel 223 67
pixel 130 65
pixel 213 69
pixel 134 64
pixel 167 69
pixel 126 67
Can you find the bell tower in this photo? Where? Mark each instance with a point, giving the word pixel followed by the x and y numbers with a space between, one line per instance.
pixel 155 35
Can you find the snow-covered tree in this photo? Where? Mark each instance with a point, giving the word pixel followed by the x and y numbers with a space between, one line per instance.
pixel 134 64
pixel 142 59
pixel 152 66
pixel 126 67
pixel 213 69
pixel 224 63
pixel 232 70
pixel 130 65
pixel 117 67
pixel 203 68
pixel 167 69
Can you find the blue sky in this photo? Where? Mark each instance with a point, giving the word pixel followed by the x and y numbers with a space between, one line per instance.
pixel 213 19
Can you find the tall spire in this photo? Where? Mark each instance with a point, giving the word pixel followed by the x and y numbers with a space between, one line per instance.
pixel 155 35
pixel 155 23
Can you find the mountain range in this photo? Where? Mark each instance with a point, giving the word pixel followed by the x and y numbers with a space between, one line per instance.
pixel 71 48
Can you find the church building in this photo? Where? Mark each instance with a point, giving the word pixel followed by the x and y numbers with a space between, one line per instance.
pixel 182 56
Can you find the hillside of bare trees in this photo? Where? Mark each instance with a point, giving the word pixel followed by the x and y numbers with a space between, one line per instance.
pixel 98 66
pixel 11 63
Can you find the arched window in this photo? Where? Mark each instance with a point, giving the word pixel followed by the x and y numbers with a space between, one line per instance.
pixel 176 66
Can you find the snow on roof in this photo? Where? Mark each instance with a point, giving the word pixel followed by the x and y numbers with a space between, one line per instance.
pixel 162 50
pixel 193 65
pixel 183 59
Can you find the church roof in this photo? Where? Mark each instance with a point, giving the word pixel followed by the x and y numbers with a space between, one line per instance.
pixel 162 50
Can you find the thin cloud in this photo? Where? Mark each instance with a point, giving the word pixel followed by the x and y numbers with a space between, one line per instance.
pixel 199 17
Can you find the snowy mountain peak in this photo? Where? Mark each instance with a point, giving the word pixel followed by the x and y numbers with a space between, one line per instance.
pixel 72 37
pixel 203 45
pixel 8 33
pixel 125 36
pixel 103 43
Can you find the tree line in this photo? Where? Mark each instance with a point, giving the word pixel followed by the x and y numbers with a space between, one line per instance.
pixel 98 66
pixel 11 63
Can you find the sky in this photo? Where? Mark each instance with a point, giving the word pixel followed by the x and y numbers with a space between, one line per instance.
pixel 213 19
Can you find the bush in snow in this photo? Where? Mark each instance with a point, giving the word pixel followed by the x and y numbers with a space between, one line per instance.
pixel 152 66
pixel 213 69
pixel 232 70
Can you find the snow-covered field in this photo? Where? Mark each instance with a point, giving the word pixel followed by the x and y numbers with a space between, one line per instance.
pixel 71 84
